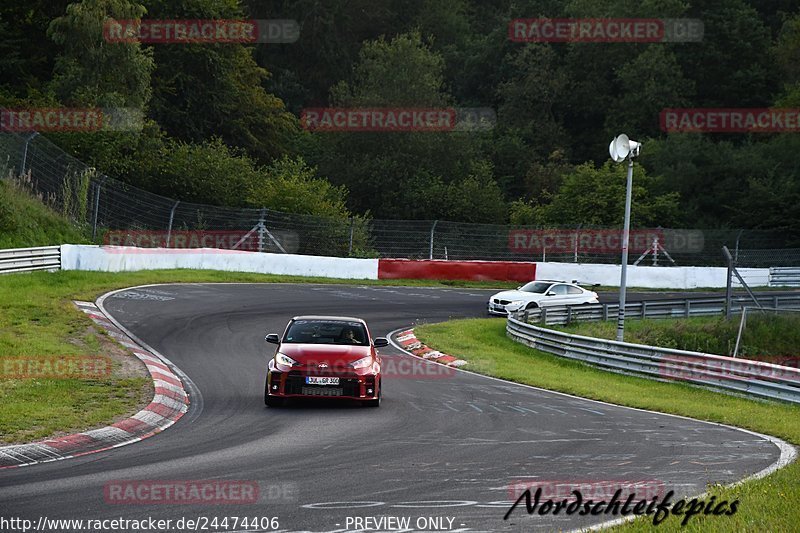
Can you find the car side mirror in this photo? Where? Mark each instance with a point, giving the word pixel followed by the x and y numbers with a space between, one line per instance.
pixel 272 338
pixel 551 293
pixel 380 342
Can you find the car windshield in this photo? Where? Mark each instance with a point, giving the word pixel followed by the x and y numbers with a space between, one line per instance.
pixel 538 287
pixel 326 332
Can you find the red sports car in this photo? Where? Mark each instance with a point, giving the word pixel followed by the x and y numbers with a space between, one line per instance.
pixel 324 356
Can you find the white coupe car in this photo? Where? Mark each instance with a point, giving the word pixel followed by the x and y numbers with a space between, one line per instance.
pixel 541 293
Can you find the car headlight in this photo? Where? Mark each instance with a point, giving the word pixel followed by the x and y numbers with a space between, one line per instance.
pixel 515 303
pixel 362 363
pixel 285 360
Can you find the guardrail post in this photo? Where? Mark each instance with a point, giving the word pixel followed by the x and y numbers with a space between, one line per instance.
pixel 605 312
pixel 688 308
pixel 543 314
pixel 569 315
pixel 644 309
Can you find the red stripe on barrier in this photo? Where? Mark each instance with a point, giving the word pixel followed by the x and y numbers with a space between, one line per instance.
pixel 467 270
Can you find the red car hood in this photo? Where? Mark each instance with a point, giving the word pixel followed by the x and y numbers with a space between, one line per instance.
pixel 333 354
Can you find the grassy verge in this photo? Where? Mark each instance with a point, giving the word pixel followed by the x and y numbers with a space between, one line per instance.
pixel 769 504
pixel 37 319
pixel 25 221
pixel 766 337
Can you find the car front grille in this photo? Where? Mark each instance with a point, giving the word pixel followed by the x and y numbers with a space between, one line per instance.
pixel 502 302
pixel 321 391
pixel 296 384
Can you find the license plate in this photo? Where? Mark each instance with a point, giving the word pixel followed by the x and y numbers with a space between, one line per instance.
pixel 317 380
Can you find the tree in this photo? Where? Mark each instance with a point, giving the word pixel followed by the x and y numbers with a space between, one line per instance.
pixel 90 71
pixel 595 196
pixel 205 90
pixel 292 186
pixel 384 170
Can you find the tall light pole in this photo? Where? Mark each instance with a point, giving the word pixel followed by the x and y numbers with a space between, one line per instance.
pixel 620 149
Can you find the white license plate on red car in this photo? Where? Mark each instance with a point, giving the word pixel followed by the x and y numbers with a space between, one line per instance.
pixel 319 380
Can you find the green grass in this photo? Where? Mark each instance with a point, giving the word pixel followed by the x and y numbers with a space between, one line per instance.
pixel 37 318
pixel 766 337
pixel 769 504
pixel 25 221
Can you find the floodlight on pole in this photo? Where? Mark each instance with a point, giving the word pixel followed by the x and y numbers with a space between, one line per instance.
pixel 620 149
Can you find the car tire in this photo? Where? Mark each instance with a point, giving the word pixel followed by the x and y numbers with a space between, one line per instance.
pixel 372 403
pixel 532 305
pixel 272 401
pixel 376 402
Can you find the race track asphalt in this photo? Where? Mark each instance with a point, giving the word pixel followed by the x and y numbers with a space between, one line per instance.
pixel 445 446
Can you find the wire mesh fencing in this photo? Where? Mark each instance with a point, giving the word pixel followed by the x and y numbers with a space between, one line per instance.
pixel 115 212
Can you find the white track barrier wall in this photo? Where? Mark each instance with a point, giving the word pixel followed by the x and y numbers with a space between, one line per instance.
pixel 651 277
pixel 127 259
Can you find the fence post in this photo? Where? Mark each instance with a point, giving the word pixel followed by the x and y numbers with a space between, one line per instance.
pixel 25 152
pixel 729 283
pixel 261 229
pixel 433 227
pixel 171 217
pixel 352 226
pixel 97 206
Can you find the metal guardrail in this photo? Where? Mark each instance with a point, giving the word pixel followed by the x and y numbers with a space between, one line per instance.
pixel 784 277
pixel 751 378
pixel 30 259
pixel 685 308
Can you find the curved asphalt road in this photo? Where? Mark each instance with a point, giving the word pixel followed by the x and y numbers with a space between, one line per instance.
pixel 443 447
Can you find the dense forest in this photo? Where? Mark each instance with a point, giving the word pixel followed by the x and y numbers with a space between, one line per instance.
pixel 223 121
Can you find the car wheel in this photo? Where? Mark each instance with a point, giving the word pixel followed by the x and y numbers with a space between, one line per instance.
pixel 532 305
pixel 376 402
pixel 372 403
pixel 272 401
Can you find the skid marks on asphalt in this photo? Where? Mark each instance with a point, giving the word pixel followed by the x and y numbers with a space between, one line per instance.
pixel 146 294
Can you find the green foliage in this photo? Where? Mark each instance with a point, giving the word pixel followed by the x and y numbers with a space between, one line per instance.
pixel 26 222
pixel 90 71
pixel 407 174
pixel 215 90
pixel 596 196
pixel 557 104
pixel 292 186
pixel 75 193
pixel 210 172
